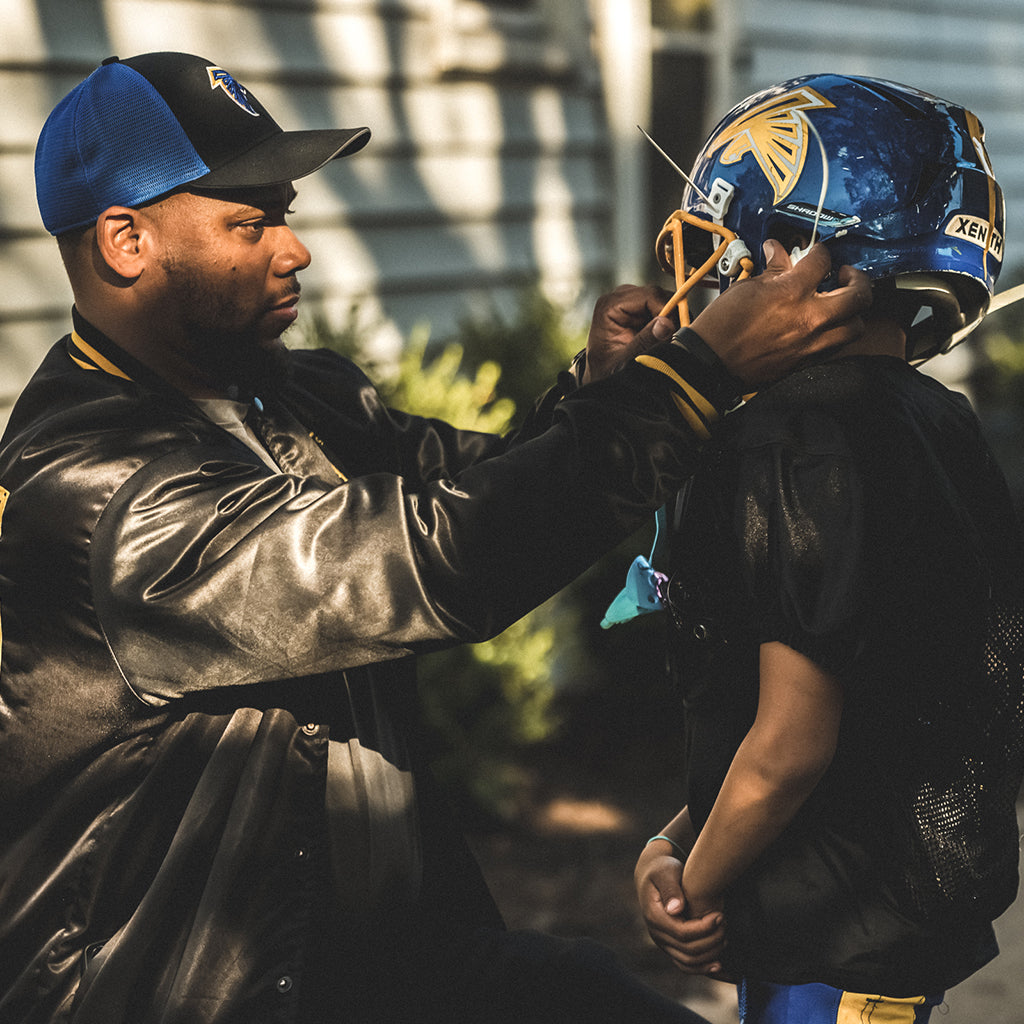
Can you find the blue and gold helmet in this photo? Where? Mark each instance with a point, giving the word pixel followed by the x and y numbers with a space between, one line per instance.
pixel 897 182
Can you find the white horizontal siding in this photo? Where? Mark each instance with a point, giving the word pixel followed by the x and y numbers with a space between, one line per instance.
pixel 485 173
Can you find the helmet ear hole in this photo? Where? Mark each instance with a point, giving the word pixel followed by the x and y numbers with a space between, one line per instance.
pixel 790 236
pixel 935 311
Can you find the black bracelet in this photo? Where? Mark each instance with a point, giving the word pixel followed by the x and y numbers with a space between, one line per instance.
pixel 722 389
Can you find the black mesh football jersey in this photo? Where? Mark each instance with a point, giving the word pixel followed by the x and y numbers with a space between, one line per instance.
pixel 855 513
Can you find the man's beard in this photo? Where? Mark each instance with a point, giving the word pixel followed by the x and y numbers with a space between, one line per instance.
pixel 224 342
pixel 239 362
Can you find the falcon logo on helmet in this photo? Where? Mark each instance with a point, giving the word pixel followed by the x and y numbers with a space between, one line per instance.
pixel 221 79
pixel 776 133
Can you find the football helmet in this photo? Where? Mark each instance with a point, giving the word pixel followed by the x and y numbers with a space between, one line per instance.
pixel 896 181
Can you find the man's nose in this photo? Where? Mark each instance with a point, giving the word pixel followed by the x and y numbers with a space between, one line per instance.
pixel 292 255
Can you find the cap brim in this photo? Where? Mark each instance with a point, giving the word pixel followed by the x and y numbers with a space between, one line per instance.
pixel 285 157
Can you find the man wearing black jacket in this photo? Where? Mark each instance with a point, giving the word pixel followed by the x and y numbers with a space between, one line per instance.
pixel 218 559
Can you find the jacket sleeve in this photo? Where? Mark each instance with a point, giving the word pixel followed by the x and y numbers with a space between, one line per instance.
pixel 363 435
pixel 210 571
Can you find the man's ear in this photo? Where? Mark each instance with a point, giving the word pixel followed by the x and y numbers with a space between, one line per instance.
pixel 121 238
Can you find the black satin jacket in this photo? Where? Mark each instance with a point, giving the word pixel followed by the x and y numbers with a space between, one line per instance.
pixel 186 634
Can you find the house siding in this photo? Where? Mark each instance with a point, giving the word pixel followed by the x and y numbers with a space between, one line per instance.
pixel 485 174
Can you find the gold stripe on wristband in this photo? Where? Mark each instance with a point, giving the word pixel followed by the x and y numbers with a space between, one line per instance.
pixel 703 406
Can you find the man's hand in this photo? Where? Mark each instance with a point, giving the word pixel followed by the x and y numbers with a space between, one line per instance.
pixel 766 326
pixel 625 324
pixel 695 945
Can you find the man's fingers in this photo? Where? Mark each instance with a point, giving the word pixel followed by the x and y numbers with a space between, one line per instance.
pixel 851 276
pixel 776 258
pixel 850 297
pixel 625 323
pixel 766 326
pixel 813 267
pixel 631 304
pixel 834 316
pixel 842 308
pixel 853 293
pixel 660 329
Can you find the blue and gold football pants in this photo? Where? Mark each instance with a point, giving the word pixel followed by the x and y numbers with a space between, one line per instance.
pixel 762 1003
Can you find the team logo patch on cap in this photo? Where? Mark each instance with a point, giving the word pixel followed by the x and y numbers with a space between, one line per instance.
pixel 221 79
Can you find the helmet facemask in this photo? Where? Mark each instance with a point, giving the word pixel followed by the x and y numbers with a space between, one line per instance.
pixel 727 255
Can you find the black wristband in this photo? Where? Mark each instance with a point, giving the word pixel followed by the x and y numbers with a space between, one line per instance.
pixel 716 383
pixel 692 385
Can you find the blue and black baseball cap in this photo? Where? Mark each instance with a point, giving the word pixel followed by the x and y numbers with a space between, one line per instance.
pixel 138 128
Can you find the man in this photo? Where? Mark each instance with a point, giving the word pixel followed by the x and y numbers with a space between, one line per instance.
pixel 216 561
pixel 845 590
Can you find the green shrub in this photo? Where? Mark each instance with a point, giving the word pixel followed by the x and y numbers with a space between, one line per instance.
pixel 531 348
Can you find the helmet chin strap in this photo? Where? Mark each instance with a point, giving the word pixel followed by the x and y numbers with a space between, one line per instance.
pixel 798 254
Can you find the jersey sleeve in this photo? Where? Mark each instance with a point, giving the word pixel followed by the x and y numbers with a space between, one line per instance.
pixel 800 512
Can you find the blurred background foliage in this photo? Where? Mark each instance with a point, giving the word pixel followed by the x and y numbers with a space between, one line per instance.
pixel 506 717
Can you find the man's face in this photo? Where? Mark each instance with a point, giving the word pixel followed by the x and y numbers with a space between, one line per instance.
pixel 230 288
